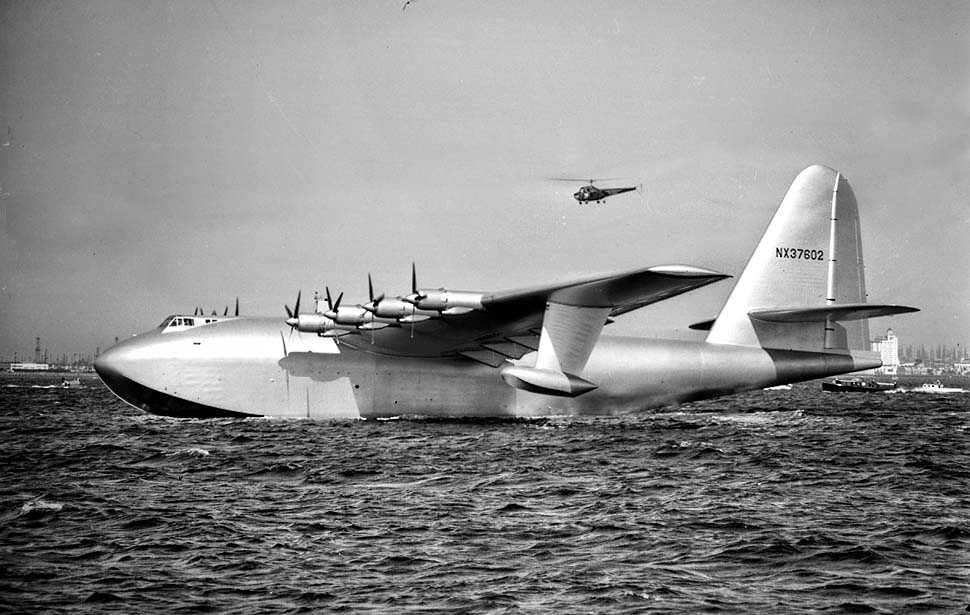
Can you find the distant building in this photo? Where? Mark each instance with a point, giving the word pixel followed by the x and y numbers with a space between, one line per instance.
pixel 888 349
pixel 29 367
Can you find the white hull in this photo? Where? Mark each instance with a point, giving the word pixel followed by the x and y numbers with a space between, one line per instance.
pixel 238 367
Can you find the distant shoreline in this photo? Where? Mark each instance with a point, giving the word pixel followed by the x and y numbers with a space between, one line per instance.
pixel 53 374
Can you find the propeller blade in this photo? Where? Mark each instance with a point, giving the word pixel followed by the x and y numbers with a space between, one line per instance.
pixel 370 293
pixel 336 305
pixel 293 317
pixel 415 295
pixel 226 312
pixel 237 306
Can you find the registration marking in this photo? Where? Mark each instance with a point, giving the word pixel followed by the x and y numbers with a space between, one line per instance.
pixel 800 254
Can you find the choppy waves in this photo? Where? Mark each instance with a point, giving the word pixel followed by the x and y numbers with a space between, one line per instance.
pixel 772 502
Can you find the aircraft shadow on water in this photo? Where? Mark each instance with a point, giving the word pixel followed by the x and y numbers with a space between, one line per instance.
pixel 797 312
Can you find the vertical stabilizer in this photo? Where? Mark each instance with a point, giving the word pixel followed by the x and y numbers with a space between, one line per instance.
pixel 809 257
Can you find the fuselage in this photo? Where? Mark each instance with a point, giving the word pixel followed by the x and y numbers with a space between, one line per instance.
pixel 259 367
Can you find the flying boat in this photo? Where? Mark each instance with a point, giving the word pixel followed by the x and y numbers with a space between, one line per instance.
pixel 798 311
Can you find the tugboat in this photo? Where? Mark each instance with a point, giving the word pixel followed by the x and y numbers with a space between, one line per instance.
pixel 857 385
pixel 936 387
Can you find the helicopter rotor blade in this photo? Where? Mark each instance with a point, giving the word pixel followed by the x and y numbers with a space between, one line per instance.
pixel 586 180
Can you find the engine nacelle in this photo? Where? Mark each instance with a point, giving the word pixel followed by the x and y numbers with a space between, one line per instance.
pixel 441 300
pixel 399 310
pixel 349 315
pixel 312 323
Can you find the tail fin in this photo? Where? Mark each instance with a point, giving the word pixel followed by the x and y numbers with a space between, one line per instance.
pixel 804 287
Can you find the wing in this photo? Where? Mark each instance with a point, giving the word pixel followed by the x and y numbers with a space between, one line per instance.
pixel 621 292
pixel 561 321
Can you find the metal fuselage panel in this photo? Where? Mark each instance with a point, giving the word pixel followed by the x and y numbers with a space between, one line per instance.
pixel 257 367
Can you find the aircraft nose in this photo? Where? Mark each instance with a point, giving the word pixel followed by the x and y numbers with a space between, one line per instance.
pixel 115 365
pixel 109 364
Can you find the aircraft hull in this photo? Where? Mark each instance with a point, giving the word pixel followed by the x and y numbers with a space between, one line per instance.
pixel 258 367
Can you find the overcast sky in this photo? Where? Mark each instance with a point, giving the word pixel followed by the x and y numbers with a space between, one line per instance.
pixel 157 155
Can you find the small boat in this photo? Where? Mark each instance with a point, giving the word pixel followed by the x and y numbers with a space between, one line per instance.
pixel 73 383
pixel 779 387
pixel 935 387
pixel 857 385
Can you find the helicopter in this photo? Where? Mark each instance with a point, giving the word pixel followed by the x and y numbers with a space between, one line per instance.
pixel 591 192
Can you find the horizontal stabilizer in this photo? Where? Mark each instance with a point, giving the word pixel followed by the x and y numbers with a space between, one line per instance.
pixel 546 381
pixel 840 312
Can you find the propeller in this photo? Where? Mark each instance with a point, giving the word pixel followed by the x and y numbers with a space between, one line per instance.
pixel 331 313
pixel 415 295
pixel 293 318
pixel 371 306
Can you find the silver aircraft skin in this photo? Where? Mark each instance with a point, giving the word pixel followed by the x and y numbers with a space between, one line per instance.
pixel 797 312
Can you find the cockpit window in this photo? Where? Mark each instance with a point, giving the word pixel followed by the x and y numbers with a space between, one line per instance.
pixel 177 321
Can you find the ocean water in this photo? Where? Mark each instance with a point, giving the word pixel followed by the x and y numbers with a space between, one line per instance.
pixel 769 502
